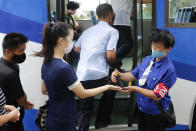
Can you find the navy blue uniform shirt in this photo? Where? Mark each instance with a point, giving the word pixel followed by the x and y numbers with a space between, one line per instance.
pixel 60 78
pixel 161 78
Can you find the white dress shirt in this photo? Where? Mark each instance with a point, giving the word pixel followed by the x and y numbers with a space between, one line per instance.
pixel 94 44
pixel 122 9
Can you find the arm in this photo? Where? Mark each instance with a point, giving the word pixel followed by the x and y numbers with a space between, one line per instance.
pixel 12 116
pixel 16 91
pixel 84 93
pixel 77 49
pixel 111 57
pixel 23 102
pixel 44 90
pixel 128 76
pixel 68 76
pixel 160 90
pixel 9 108
pixel 111 47
pixel 145 92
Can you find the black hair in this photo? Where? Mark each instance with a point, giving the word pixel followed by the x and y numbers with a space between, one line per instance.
pixel 73 5
pixel 103 10
pixel 12 40
pixel 51 33
pixel 164 36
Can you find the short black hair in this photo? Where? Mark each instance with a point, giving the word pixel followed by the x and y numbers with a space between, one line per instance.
pixel 73 5
pixel 103 10
pixel 164 36
pixel 12 40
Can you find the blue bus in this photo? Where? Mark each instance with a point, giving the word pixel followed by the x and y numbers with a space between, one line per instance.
pixel 29 16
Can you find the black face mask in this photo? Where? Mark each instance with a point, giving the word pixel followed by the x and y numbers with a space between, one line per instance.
pixel 19 58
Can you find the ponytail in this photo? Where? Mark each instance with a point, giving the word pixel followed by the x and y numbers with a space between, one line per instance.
pixel 51 33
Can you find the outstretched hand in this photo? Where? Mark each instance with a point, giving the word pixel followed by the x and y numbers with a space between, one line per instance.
pixel 114 88
pixel 128 89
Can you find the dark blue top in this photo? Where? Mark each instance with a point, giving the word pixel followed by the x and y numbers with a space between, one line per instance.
pixel 58 77
pixel 163 72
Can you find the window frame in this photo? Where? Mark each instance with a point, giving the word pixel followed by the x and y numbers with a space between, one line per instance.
pixel 175 25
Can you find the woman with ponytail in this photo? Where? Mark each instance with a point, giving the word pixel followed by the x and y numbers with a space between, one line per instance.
pixel 60 82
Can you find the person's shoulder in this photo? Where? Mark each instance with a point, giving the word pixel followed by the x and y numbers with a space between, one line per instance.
pixel 148 58
pixel 87 31
pixel 67 15
pixel 6 70
pixel 113 30
pixel 65 69
pixel 170 66
pixel 63 66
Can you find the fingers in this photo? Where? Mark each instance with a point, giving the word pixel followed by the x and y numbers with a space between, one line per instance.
pixel 116 72
pixel 113 78
pixel 18 115
pixel 124 91
pixel 15 115
pixel 9 108
pixel 114 75
pixel 126 88
pixel 12 107
pixel 29 105
pixel 116 88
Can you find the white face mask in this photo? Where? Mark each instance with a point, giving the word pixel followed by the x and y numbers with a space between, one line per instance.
pixel 69 48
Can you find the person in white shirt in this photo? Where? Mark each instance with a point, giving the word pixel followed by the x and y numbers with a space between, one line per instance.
pixel 97 48
pixel 122 23
pixel 122 9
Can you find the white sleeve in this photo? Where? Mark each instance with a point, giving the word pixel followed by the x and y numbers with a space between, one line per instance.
pixel 112 42
pixel 74 85
pixel 78 43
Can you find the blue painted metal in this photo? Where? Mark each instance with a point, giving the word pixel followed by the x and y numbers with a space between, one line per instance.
pixel 29 120
pixel 30 116
pixel 34 10
pixel 184 52
pixel 24 16
pixel 176 128
pixel 12 23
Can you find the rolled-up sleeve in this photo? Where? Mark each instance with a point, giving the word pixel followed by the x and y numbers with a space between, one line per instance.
pixel 168 80
pixel 135 72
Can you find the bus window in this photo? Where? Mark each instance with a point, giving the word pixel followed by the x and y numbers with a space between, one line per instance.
pixel 181 13
pixel 86 8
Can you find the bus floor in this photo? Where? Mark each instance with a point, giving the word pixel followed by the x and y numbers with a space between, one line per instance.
pixel 116 128
pixel 134 128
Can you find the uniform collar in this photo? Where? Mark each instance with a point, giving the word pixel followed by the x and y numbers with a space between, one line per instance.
pixel 9 64
pixel 161 62
pixel 5 61
pixel 103 23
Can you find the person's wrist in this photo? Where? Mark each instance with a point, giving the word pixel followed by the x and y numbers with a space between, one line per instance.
pixel 107 87
pixel 9 116
pixel 135 88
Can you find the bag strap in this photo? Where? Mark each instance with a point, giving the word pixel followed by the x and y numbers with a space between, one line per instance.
pixel 160 106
